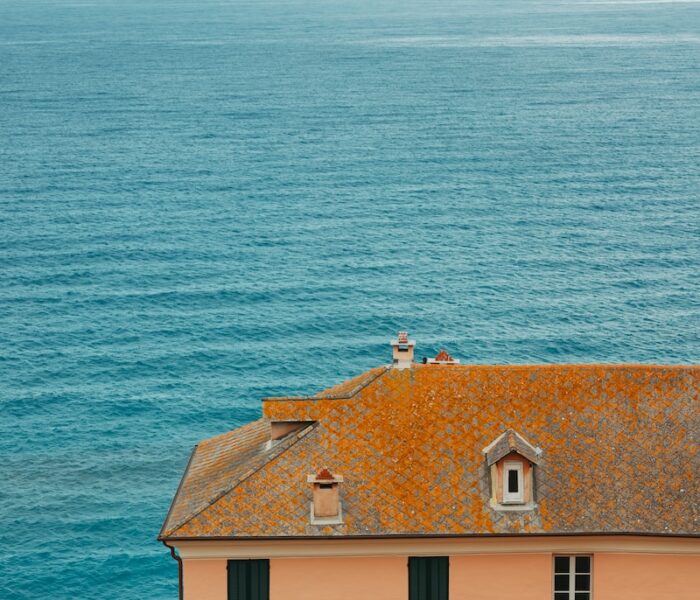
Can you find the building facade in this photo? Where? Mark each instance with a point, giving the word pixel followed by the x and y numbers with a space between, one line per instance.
pixel 433 481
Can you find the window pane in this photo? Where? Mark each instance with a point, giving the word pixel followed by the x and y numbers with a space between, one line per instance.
pixel 583 583
pixel 428 578
pixel 248 579
pixel 561 564
pixel 561 583
pixel 512 481
pixel 583 564
pixel 582 596
pixel 564 596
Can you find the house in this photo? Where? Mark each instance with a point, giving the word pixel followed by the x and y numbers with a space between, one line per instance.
pixel 436 480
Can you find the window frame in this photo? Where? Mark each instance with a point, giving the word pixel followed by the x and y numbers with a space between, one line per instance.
pixel 572 576
pixel 509 497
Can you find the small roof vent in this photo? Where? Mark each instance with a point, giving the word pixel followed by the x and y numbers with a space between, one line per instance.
pixel 326 507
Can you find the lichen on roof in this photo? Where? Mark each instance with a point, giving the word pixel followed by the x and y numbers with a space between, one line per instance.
pixel 619 454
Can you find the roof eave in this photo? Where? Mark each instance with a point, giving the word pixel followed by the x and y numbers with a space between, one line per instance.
pixel 432 535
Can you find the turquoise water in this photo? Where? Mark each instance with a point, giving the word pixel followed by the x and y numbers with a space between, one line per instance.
pixel 203 203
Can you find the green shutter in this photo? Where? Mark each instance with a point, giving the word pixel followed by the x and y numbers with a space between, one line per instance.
pixel 249 579
pixel 428 578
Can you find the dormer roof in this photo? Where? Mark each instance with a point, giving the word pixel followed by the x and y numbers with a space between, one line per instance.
pixel 510 441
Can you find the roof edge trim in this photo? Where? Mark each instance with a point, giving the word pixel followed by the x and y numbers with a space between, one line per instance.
pixel 177 492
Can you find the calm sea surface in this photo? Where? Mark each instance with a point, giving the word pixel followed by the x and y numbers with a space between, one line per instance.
pixel 206 202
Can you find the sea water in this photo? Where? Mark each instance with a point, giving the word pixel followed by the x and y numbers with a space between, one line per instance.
pixel 206 202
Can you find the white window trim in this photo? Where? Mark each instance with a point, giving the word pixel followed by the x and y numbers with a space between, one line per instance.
pixel 572 575
pixel 508 497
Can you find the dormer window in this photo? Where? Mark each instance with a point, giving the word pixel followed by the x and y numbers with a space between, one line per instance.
pixel 511 460
pixel 513 479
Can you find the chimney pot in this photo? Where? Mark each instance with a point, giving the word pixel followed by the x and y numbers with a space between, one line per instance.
pixel 324 474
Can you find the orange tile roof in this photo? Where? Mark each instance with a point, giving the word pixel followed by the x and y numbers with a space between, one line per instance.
pixel 217 465
pixel 619 454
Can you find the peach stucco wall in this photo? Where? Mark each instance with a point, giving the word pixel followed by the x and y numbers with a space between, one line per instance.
pixel 472 577
pixel 204 579
pixel 493 577
pixel 646 577
pixel 337 578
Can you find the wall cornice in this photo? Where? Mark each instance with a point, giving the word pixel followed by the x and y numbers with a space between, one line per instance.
pixel 325 547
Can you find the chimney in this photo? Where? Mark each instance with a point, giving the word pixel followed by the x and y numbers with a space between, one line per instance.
pixel 402 350
pixel 326 507
pixel 442 358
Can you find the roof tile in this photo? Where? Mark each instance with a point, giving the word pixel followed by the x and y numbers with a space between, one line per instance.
pixel 619 444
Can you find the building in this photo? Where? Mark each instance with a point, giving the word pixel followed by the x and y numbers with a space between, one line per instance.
pixel 439 480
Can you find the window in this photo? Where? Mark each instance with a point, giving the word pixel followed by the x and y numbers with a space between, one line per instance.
pixel 513 488
pixel 572 578
pixel 249 579
pixel 428 578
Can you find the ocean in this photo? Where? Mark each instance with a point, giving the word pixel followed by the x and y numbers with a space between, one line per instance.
pixel 206 202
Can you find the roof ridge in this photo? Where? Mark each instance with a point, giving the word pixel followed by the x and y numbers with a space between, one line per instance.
pixel 274 452
pixel 245 427
pixel 369 378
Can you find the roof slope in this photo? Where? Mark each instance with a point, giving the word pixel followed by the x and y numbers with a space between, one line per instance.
pixel 619 454
pixel 219 464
